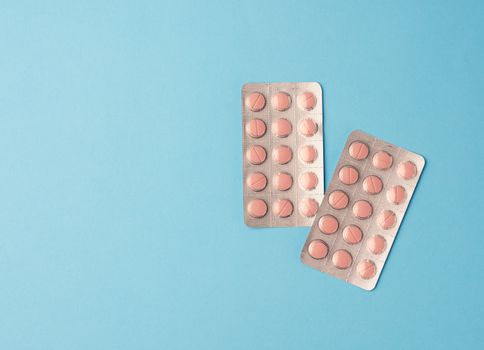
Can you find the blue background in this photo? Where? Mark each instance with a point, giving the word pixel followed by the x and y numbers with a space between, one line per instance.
pixel 121 222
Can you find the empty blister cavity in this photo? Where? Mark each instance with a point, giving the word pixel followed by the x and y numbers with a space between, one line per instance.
pixel 360 216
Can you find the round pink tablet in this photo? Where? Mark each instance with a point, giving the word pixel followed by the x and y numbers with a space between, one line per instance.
pixel 372 184
pixel 382 160
pixel 362 209
pixel 396 194
pixel 282 181
pixel 281 101
pixel 306 101
pixel 308 181
pixel 255 128
pixel 387 219
pixel 282 154
pixel 282 208
pixel 256 181
pixel 342 259
pixel 407 170
pixel 308 154
pixel 281 127
pixel 257 208
pixel 256 155
pixel 308 207
pixel 317 249
pixel 308 127
pixel 328 224
pixel 255 101
pixel 366 269
pixel 352 234
pixel 358 150
pixel 348 175
pixel 338 199
pixel 376 244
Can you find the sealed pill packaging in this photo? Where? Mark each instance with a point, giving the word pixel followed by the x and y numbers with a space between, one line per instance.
pixel 283 174
pixel 361 213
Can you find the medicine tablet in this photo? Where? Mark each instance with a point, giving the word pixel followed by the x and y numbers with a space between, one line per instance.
pixel 372 184
pixel 348 175
pixel 255 128
pixel 281 101
pixel 257 208
pixel 382 160
pixel 366 269
pixel 256 155
pixel 256 181
pixel 306 101
pixel 338 200
pixel 376 244
pixel 255 101
pixel 282 181
pixel 282 208
pixel 317 249
pixel 358 150
pixel 282 154
pixel 407 170
pixel 396 195
pixel 362 209
pixel 308 127
pixel 308 181
pixel 308 154
pixel 387 219
pixel 352 234
pixel 308 207
pixel 342 259
pixel 328 224
pixel 281 127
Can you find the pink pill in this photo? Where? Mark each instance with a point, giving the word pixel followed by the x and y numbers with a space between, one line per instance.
pixel 282 208
pixel 281 127
pixel 308 181
pixel 281 101
pixel 407 170
pixel 362 209
pixel 306 101
pixel 282 181
pixel 308 127
pixel 352 234
pixel 255 101
pixel 256 155
pixel 257 208
pixel 342 259
pixel 256 181
pixel 358 150
pixel 372 184
pixel 338 199
pixel 308 207
pixel 282 154
pixel 366 269
pixel 387 219
pixel 255 128
pixel 396 195
pixel 348 175
pixel 328 224
pixel 382 160
pixel 317 249
pixel 376 244
pixel 308 154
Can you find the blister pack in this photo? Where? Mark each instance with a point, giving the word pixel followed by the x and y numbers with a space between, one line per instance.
pixel 282 126
pixel 361 213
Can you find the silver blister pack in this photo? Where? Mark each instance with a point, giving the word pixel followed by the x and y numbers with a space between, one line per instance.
pixel 283 174
pixel 361 213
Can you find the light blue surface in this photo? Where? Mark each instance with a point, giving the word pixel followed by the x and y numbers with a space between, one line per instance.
pixel 121 220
